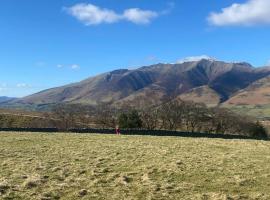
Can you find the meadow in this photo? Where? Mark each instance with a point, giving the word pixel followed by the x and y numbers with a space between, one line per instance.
pixel 89 166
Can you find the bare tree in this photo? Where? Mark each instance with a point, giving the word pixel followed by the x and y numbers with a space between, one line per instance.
pixel 106 116
pixel 150 118
pixel 170 114
pixel 194 117
pixel 66 116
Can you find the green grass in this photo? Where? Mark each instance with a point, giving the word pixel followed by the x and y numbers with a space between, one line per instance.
pixel 81 166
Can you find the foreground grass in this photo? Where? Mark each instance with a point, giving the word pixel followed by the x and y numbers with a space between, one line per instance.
pixel 81 166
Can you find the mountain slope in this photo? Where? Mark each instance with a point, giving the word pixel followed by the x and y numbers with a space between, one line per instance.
pixel 258 93
pixel 151 84
pixel 203 94
pixel 5 99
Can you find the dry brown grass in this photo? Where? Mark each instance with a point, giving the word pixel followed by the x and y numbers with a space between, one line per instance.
pixel 81 166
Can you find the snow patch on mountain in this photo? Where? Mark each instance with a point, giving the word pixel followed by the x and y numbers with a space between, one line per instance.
pixel 195 59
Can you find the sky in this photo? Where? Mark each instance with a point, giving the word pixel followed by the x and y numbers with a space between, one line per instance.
pixel 50 43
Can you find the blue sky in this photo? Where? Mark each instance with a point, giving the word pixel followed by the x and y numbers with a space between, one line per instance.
pixel 49 43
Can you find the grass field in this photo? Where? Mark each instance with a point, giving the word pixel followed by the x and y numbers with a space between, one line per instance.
pixel 80 166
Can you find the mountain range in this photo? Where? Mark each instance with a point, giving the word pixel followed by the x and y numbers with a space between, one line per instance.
pixel 208 81
pixel 5 99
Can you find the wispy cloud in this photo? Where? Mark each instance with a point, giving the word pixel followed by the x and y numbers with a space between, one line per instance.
pixel 194 59
pixel 90 14
pixel 168 10
pixel 40 64
pixel 19 89
pixel 75 66
pixel 138 16
pixel 3 87
pixel 253 12
pixel 23 85
pixel 59 66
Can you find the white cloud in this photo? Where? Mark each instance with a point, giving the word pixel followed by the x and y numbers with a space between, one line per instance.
pixel 90 14
pixel 75 66
pixel 23 85
pixel 194 59
pixel 253 12
pixel 268 63
pixel 139 16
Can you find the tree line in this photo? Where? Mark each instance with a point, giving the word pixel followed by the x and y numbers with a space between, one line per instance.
pixel 173 115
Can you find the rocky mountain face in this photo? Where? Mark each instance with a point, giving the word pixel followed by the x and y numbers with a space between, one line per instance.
pixel 208 81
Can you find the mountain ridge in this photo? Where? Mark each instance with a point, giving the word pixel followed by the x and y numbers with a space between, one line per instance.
pixel 154 83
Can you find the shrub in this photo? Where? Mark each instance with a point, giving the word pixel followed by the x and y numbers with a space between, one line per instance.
pixel 130 120
pixel 258 130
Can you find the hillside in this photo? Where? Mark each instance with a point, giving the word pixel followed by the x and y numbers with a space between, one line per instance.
pixel 19 118
pixel 203 94
pixel 205 80
pixel 258 93
pixel 253 100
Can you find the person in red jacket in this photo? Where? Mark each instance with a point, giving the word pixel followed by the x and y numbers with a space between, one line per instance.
pixel 117 130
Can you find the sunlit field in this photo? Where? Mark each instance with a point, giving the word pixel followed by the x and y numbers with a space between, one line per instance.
pixel 83 166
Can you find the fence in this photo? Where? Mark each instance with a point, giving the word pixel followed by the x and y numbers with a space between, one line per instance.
pixel 132 132
pixel 47 130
